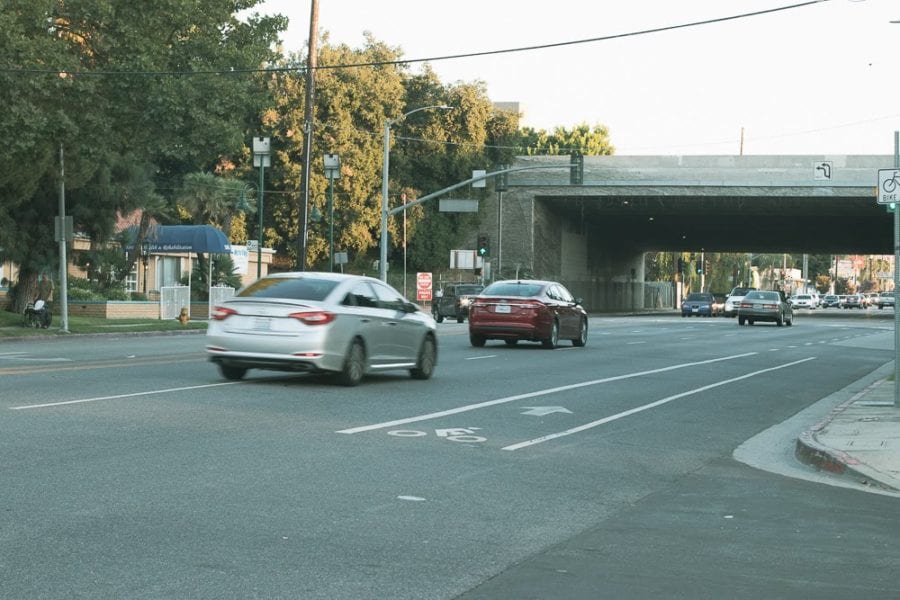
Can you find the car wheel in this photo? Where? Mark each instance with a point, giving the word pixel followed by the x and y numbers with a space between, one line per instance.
pixel 439 318
pixel 740 320
pixel 779 320
pixel 551 342
pixel 427 360
pixel 476 340
pixel 511 342
pixel 790 321
pixel 460 319
pixel 581 340
pixel 232 373
pixel 749 321
pixel 354 365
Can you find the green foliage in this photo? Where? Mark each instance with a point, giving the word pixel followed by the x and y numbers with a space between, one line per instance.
pixel 222 274
pixel 584 139
pixel 94 291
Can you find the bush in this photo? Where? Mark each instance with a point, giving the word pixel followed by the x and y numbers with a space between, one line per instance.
pixel 89 291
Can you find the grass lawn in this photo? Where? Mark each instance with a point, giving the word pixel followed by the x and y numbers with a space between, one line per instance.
pixel 11 325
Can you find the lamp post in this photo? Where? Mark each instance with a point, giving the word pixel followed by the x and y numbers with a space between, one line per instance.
pixel 260 159
pixel 332 171
pixel 382 263
pixel 145 259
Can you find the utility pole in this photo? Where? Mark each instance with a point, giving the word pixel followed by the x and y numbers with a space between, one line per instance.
pixel 309 115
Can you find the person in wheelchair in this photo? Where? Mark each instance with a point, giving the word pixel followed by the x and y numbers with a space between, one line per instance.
pixel 37 313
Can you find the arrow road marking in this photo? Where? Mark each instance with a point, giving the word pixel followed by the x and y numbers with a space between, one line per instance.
pixel 540 411
pixel 623 414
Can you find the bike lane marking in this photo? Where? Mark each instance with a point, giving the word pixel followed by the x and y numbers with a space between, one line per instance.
pixel 626 413
pixel 545 392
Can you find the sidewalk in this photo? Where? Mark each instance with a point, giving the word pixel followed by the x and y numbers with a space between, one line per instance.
pixel 859 439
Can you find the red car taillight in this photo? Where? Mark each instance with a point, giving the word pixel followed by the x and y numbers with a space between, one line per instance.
pixel 220 313
pixel 318 317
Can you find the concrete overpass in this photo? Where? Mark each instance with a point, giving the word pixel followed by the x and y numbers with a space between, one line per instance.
pixel 594 235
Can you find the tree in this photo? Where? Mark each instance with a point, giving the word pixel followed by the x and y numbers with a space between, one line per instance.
pixel 135 99
pixel 582 138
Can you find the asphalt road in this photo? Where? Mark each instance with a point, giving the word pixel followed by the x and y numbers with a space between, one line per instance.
pixel 130 469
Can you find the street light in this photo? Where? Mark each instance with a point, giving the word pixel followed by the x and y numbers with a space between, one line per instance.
pixel 260 159
pixel 332 171
pixel 382 263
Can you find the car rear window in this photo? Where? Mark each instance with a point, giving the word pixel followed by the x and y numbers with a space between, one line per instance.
pixel 299 288
pixel 762 296
pixel 740 291
pixel 468 290
pixel 503 288
pixel 698 297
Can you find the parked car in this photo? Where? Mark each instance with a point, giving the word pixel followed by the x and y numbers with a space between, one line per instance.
pixel 348 325
pixel 885 299
pixel 831 301
pixel 454 301
pixel 529 310
pixel 842 301
pixel 765 306
pixel 803 301
pixel 734 299
pixel 854 301
pixel 699 304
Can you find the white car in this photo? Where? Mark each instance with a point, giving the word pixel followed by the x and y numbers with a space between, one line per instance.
pixel 348 325
pixel 803 301
pixel 733 300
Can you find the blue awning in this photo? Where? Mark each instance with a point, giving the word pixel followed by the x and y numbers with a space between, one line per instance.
pixel 185 238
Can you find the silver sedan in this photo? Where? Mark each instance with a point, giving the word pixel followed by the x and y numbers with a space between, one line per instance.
pixel 765 306
pixel 349 325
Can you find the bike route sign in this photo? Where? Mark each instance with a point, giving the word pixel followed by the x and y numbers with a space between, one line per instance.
pixel 888 186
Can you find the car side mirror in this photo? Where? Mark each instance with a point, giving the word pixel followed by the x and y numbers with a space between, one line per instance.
pixel 578 301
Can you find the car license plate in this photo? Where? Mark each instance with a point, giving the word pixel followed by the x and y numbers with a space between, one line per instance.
pixel 262 324
pixel 695 309
pixel 502 308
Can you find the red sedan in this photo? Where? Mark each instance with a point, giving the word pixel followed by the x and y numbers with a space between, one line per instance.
pixel 534 311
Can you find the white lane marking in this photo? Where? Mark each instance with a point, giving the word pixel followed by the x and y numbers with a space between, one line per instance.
pixel 634 343
pixel 638 409
pixel 469 407
pixel 119 396
pixel 482 357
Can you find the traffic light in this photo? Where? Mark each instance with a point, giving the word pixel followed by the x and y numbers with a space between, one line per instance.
pixel 699 267
pixel 484 247
pixel 576 168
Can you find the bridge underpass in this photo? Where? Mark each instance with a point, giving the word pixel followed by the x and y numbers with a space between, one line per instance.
pixel 593 236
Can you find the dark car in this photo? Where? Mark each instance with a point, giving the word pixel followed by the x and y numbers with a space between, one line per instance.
pixel 454 301
pixel 831 301
pixel 698 304
pixel 765 306
pixel 529 310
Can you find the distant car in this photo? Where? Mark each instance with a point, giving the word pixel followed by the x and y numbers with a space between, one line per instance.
pixel 454 301
pixel 831 301
pixel 842 301
pixel 854 301
pixel 348 325
pixel 698 304
pixel 765 306
pixel 734 299
pixel 529 310
pixel 885 299
pixel 803 301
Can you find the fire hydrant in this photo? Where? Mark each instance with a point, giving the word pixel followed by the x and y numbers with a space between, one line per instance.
pixel 183 317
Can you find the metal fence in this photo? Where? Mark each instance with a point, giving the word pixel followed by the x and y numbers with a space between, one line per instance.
pixel 172 300
pixel 218 294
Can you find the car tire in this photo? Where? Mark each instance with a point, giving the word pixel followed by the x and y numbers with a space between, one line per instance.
pixel 232 373
pixel 581 340
pixel 741 321
pixel 749 321
pixel 779 320
pixel 427 360
pixel 354 364
pixel 790 321
pixel 460 319
pixel 551 342
pixel 439 318
pixel 476 340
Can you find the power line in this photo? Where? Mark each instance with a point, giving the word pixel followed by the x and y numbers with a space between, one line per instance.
pixel 286 69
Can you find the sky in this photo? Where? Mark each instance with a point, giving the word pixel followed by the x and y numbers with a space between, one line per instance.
pixel 822 79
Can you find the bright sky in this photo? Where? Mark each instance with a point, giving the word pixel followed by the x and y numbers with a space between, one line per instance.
pixel 822 79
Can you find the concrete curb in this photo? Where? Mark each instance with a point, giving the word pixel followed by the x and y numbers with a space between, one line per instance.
pixel 810 450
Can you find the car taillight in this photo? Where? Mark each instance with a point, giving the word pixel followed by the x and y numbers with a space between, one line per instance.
pixel 746 305
pixel 220 313
pixel 317 317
